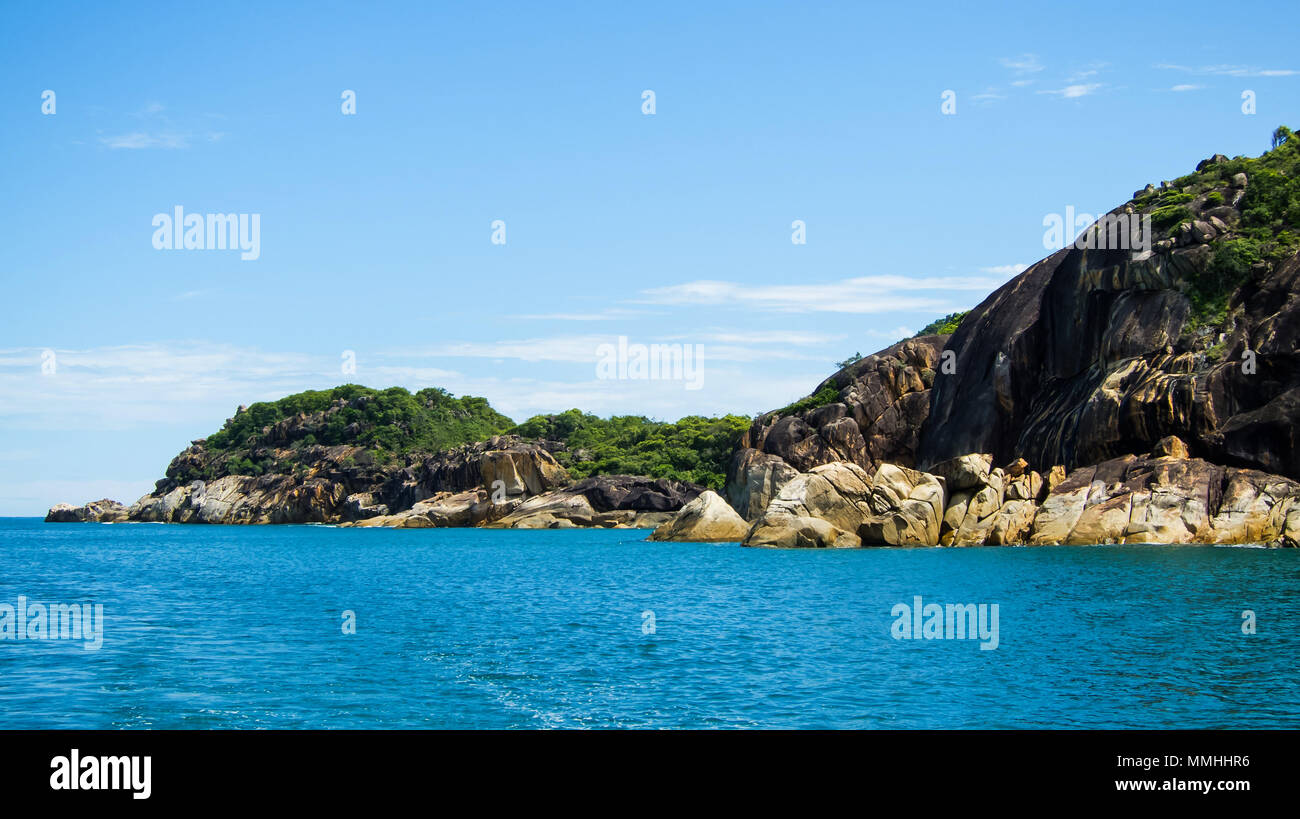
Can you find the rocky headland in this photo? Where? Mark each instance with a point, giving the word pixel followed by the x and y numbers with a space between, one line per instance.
pixel 1145 392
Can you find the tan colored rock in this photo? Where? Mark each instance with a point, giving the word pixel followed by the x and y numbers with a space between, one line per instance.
pixel 817 494
pixel 1105 522
pixel 907 507
pixel 543 511
pixel 1055 477
pixel 799 533
pixel 708 518
pixel 1012 523
pixel 956 511
pixel 1171 446
pixel 964 472
pixel 1059 513
pixel 756 479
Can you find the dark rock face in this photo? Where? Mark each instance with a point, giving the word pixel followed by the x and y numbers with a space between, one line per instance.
pixel 883 401
pixel 609 493
pixel 1075 362
pixel 1084 357
pixel 617 501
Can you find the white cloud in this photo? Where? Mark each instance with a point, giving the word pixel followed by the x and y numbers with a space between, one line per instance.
pixel 793 337
pixel 1073 91
pixel 1186 88
pixel 608 314
pixel 1024 64
pixel 1005 269
pixel 582 349
pixel 1230 70
pixel 865 294
pixel 141 140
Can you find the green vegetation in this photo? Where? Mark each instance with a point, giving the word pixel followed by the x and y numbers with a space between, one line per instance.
pixel 853 359
pixel 1170 216
pixel 1268 231
pixel 391 424
pixel 1228 269
pixel 824 396
pixel 945 326
pixel 695 448
pixel 387 422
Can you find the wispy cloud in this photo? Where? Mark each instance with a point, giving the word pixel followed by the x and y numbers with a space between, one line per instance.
pixel 138 140
pixel 864 294
pixel 159 129
pixel 1073 91
pixel 608 314
pixel 1230 70
pixel 1186 87
pixel 582 349
pixel 1005 269
pixel 1024 64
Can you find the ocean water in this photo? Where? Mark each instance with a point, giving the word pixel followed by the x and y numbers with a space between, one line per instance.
pixel 241 627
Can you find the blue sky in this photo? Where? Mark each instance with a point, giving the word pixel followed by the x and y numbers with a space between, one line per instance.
pixel 666 228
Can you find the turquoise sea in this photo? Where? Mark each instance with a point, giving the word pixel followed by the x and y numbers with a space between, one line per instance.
pixel 242 627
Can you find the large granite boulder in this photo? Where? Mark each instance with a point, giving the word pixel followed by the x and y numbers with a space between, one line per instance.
pixel 906 506
pixel 706 519
pixel 821 508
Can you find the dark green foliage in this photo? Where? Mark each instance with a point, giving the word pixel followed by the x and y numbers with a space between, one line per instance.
pixel 695 448
pixel 1228 269
pixel 851 360
pixel 824 396
pixel 945 326
pixel 1269 229
pixel 391 420
pixel 1170 216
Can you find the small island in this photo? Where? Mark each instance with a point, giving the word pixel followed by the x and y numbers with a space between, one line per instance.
pixel 1106 394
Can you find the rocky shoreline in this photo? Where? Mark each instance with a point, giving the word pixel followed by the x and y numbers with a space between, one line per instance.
pixel 504 482
pixel 1130 395
pixel 1163 497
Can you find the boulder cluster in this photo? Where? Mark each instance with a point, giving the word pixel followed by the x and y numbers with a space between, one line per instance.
pixel 1162 497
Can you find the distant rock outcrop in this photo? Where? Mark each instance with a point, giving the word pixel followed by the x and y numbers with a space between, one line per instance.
pixel 609 501
pixel 100 511
pixel 333 485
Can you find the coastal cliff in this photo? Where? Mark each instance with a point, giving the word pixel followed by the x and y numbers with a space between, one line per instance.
pixel 1138 385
